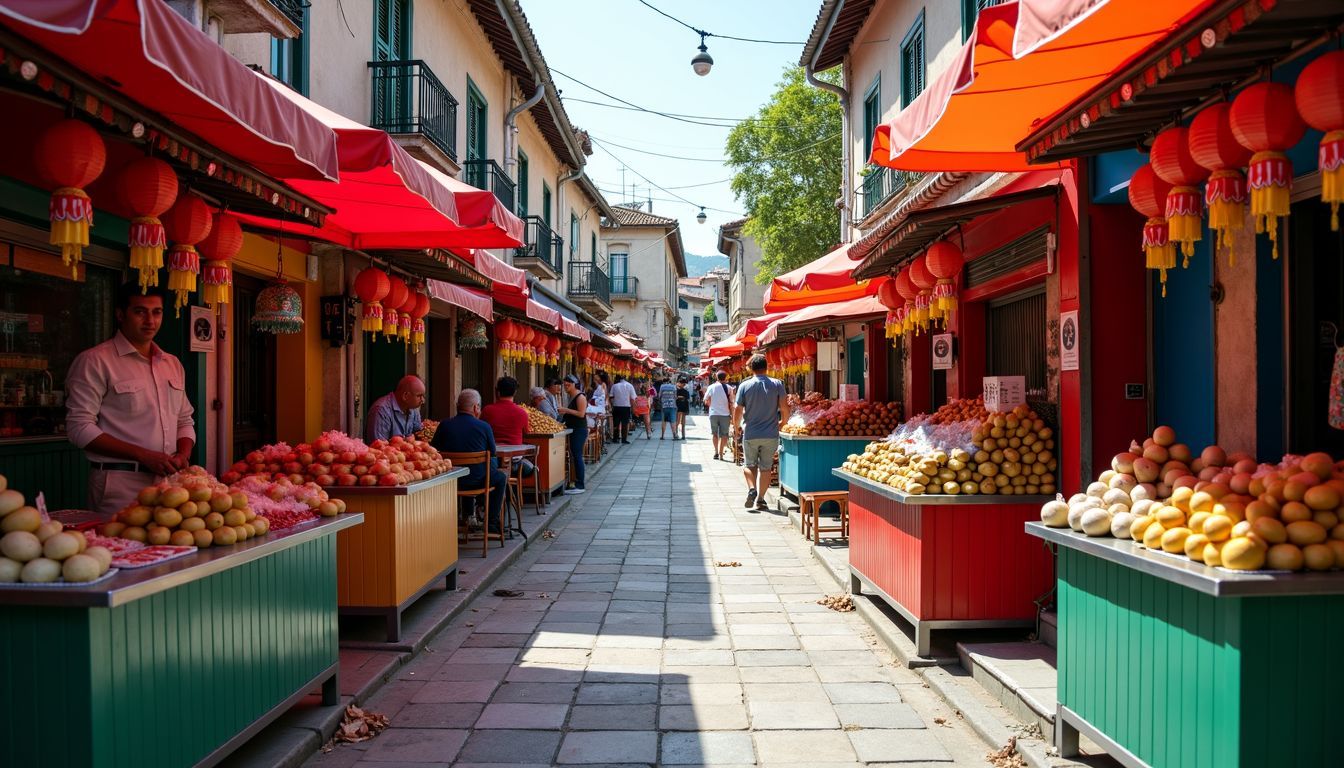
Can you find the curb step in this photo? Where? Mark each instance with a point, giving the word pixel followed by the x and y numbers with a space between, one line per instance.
pixel 1020 676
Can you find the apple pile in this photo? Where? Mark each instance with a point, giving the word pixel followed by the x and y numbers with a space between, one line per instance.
pixel 188 509
pixel 285 503
pixel 335 459
pixel 960 409
pixel 846 418
pixel 37 551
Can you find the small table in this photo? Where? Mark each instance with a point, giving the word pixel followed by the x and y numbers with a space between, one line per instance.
pixel 514 453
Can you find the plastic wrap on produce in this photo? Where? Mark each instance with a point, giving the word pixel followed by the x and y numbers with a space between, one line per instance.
pixel 920 435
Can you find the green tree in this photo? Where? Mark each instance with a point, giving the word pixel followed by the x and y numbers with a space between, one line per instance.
pixel 709 316
pixel 787 165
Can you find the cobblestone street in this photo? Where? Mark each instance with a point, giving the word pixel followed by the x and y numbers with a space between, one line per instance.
pixel 664 624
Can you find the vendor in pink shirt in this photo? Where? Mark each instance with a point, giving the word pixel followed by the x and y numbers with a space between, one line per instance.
pixel 127 405
pixel 506 418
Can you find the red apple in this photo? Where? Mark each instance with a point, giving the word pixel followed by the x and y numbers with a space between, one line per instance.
pixel 360 470
pixel 346 480
pixel 368 480
pixel 388 480
pixel 326 480
pixel 305 458
pixel 380 468
pixel 348 457
pixel 326 457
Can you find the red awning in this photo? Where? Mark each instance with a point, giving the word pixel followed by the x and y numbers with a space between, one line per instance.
pixel 822 314
pixel 505 276
pixel 726 349
pixel 156 58
pixel 573 330
pixel 624 346
pixel 1025 61
pixel 476 303
pixel 825 280
pixel 483 221
pixel 543 314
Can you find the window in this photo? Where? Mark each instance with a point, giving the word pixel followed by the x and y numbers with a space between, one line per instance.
pixel 970 11
pixel 913 66
pixel 477 124
pixel 573 235
pixel 546 203
pixel 681 303
pixel 872 114
pixel 695 326
pixel 620 265
pixel 592 248
pixel 522 184
pixel 392 42
pixel 289 58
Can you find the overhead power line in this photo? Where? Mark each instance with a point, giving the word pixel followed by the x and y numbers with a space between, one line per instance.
pixel 699 31
pixel 668 115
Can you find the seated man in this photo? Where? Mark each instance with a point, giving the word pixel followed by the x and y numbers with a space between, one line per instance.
pixel 506 418
pixel 466 433
pixel 541 400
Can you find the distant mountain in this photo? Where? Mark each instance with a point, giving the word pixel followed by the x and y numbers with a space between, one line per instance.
pixel 700 265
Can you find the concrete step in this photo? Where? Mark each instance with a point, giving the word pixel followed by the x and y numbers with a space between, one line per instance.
pixel 1050 628
pixel 1020 676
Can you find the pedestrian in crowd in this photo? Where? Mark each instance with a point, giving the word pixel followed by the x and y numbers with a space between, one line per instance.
pixel 575 419
pixel 694 387
pixel 622 400
pixel 467 433
pixel 641 410
pixel 667 404
pixel 397 412
pixel 541 400
pixel 128 406
pixel 555 390
pixel 719 402
pixel 507 419
pixel 683 407
pixel 762 408
pixel 654 406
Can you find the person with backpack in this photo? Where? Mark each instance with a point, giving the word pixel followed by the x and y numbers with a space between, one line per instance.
pixel 719 402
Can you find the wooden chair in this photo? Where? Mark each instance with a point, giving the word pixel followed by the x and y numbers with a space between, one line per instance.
pixel 809 510
pixel 517 482
pixel 481 494
pixel 592 449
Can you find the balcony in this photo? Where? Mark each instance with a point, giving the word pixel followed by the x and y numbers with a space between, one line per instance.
pixel 590 288
pixel 541 251
pixel 486 174
pixel 624 288
pixel 278 18
pixel 411 103
pixel 291 8
pixel 882 183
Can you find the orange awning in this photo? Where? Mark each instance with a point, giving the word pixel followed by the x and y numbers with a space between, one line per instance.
pixel 823 281
pixel 1024 62
pixel 795 323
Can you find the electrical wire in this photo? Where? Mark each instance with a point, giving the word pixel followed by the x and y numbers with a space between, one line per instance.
pixel 602 146
pixel 668 115
pixel 713 160
pixel 683 186
pixel 711 34
pixel 639 198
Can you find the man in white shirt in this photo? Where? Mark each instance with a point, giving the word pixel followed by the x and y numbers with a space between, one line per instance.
pixel 622 399
pixel 127 405
pixel 719 401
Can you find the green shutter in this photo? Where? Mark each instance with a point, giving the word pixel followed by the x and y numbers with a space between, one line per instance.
pixel 573 235
pixel 546 203
pixel 522 184
pixel 872 114
pixel 594 248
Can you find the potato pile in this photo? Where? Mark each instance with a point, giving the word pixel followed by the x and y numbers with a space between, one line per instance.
pixel 1219 509
pixel 1016 454
pixel 541 424
pixel 859 418
pixel 915 473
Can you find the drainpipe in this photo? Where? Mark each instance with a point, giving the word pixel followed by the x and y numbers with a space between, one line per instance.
pixel 845 161
pixel 223 392
pixel 511 129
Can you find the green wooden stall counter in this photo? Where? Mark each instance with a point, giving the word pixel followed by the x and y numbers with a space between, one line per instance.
pixel 172 665
pixel 1164 661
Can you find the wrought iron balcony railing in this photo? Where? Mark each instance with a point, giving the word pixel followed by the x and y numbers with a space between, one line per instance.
pixel 625 287
pixel 486 174
pixel 408 98
pixel 588 281
pixel 293 9
pixel 541 243
pixel 882 183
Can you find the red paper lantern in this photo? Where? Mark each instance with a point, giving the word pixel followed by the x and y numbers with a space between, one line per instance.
pixel 809 346
pixel 1213 146
pixel 944 261
pixel 406 323
pixel 371 287
pixel 1172 162
pixel 148 186
pixel 1148 195
pixel 1319 96
pixel 1264 119
pixel 218 248
pixel 889 296
pixel 186 224
pixel 908 291
pixel 923 281
pixel 70 155
pixel 418 314
pixel 392 303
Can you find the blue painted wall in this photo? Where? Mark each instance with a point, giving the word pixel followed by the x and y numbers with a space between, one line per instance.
pixel 1270 363
pixel 1183 358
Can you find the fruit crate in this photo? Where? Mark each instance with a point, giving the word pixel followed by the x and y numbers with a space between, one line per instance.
pixel 806 461
pixel 1166 661
pixel 407 545
pixel 946 562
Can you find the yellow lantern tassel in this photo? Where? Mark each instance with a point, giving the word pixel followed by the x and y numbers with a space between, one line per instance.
pixel 373 317
pixel 184 264
pixel 1183 220
pixel 1225 196
pixel 1160 252
pixel 1331 165
pixel 1270 178
pixel 71 215
pixel 390 324
pixel 147 242
pixel 217 281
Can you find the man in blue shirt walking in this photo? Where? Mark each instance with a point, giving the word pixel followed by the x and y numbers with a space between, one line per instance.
pixel 763 405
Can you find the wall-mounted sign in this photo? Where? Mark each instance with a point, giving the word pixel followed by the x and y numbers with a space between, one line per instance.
pixel 942 352
pixel 1004 393
pixel 1068 340
pixel 202 329
pixel 338 320
pixel 1134 391
pixel 849 392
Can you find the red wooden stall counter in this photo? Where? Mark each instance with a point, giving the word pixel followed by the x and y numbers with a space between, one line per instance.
pixel 947 562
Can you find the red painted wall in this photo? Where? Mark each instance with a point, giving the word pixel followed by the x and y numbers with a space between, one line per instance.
pixel 879 346
pixel 918 382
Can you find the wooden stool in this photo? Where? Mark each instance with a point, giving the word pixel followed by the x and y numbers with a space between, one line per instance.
pixel 809 510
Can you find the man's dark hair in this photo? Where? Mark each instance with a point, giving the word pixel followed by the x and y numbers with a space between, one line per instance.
pixel 619 378
pixel 507 386
pixel 722 375
pixel 552 382
pixel 758 363
pixel 129 289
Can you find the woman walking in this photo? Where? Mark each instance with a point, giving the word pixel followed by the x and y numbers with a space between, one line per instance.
pixel 683 408
pixel 641 410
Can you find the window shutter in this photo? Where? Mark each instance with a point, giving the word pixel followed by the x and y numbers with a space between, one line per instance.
pixel 546 204
pixel 522 184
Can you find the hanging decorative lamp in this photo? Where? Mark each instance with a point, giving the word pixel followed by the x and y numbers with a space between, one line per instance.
pixel 396 296
pixel 406 323
pixel 504 331
pixel 1264 119
pixel 1171 161
pixel 149 187
pixel 186 224
pixel 1319 95
pixel 418 314
pixel 472 335
pixel 1148 195
pixel 70 155
pixel 891 299
pixel 944 261
pixel 218 248
pixel 1213 146
pixel 920 276
pixel 279 307
pixel 371 287
pixel 907 291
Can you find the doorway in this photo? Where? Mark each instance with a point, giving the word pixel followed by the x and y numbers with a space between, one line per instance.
pixel 384 365
pixel 855 362
pixel 1316 327
pixel 254 372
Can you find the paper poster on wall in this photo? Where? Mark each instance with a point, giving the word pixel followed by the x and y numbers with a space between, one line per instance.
pixel 202 329
pixel 849 392
pixel 942 352
pixel 1004 393
pixel 1068 340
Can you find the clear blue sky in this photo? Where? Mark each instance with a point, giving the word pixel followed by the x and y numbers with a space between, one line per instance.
pixel 631 52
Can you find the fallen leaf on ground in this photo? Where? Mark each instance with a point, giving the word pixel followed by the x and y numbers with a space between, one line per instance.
pixel 548 534
pixel 507 593
pixel 543 596
pixel 940 720
pixel 839 603
pixel 1006 756
pixel 359 725
pixel 728 564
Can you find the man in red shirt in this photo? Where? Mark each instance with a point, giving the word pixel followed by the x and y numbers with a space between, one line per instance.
pixel 506 418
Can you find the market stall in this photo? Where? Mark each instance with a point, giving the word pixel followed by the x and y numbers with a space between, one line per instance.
pixel 822 433
pixel 550 459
